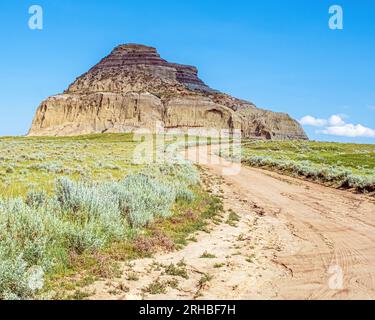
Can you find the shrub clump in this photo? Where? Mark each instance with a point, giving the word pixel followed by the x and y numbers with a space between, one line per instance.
pixel 39 233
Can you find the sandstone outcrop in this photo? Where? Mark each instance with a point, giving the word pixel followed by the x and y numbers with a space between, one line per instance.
pixel 134 88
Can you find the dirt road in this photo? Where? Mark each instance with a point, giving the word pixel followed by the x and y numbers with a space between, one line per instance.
pixel 294 240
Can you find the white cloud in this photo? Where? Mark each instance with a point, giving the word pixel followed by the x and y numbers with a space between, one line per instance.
pixel 349 130
pixel 311 121
pixel 335 125
pixel 336 120
pixel 371 107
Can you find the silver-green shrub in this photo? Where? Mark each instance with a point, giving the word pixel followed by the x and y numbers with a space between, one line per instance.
pixel 38 232
pixel 17 280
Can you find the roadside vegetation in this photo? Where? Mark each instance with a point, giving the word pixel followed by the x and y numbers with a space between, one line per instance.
pixel 340 165
pixel 70 208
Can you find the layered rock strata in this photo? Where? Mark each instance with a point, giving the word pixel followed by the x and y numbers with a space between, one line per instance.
pixel 134 88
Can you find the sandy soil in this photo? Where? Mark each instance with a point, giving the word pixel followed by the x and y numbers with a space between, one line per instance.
pixel 294 240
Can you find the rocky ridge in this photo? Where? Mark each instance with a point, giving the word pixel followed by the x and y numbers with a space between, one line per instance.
pixel 134 88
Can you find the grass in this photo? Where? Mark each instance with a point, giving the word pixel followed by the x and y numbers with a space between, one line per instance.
pixel 71 208
pixel 233 218
pixel 160 287
pixel 205 279
pixel 79 295
pixel 219 265
pixel 356 156
pixel 27 163
pixel 207 255
pixel 164 234
pixel 178 270
pixel 132 277
pixel 250 259
pixel 156 287
pixel 342 165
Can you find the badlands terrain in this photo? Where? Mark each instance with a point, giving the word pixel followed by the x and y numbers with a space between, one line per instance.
pixel 84 220
pixel 133 89
pixel 261 213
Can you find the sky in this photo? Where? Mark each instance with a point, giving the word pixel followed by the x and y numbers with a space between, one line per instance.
pixel 281 55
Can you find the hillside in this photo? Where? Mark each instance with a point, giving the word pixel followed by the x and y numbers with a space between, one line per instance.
pixel 134 88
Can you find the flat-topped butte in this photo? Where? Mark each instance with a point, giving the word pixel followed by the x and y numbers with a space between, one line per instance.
pixel 134 88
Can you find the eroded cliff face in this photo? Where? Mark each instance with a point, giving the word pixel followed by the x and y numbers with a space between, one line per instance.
pixel 133 88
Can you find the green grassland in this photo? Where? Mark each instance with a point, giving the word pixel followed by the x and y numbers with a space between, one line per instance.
pixel 337 164
pixel 27 163
pixel 71 208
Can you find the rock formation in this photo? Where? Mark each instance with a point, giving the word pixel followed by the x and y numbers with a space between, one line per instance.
pixel 134 88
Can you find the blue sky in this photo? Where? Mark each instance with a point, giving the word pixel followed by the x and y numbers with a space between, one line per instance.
pixel 279 54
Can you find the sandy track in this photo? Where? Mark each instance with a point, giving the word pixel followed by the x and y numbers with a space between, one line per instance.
pixel 294 240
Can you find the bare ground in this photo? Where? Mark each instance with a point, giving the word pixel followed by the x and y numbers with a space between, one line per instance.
pixel 294 240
